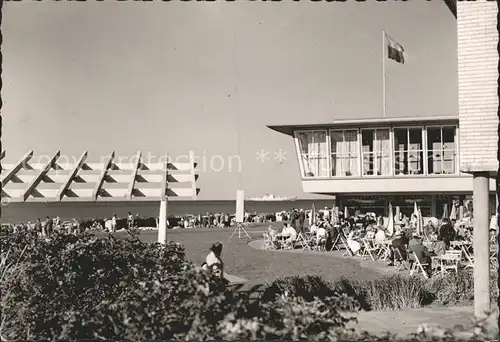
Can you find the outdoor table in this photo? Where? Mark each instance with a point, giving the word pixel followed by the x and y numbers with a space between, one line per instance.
pixel 465 247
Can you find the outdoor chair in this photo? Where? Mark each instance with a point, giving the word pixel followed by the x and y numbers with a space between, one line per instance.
pixel 289 243
pixel 369 249
pixel 348 251
pixel 401 265
pixel 450 261
pixel 384 250
pixel 319 244
pixel 493 257
pixel 336 242
pixel 418 266
pixel 268 242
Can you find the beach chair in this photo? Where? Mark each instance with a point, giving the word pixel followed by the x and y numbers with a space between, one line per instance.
pixel 402 264
pixel 369 249
pixel 302 241
pixel 384 250
pixel 336 243
pixel 417 265
pixel 348 251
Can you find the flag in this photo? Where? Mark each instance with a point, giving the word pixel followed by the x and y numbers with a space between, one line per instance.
pixel 395 51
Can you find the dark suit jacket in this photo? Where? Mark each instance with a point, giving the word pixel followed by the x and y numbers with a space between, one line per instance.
pixel 420 251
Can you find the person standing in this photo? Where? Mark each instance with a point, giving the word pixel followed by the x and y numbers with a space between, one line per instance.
pixel 113 223
pixel 38 226
pixel 302 219
pixel 130 220
pixel 49 224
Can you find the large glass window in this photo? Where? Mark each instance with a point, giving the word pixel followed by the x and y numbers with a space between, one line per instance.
pixel 313 153
pixel 345 155
pixel 376 150
pixel 441 150
pixel 408 151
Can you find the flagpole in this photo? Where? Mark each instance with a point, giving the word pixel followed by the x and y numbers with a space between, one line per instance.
pixel 384 49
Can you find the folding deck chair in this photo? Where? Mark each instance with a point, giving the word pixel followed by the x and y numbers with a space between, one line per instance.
pixel 417 265
pixel 369 249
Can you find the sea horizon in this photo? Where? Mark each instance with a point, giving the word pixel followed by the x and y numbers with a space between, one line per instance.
pixel 30 211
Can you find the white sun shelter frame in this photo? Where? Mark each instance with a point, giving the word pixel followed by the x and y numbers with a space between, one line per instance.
pixel 54 180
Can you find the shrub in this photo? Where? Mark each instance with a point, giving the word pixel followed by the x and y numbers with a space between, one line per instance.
pixel 387 293
pixel 80 287
pixel 458 288
pixel 397 293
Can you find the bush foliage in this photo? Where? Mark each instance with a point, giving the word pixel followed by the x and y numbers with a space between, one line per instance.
pixel 389 293
pixel 79 287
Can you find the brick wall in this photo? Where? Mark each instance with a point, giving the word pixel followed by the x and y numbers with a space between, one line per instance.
pixel 477 89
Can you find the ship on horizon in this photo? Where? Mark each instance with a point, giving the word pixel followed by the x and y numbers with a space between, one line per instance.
pixel 271 197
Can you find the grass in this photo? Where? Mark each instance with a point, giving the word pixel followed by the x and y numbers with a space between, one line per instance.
pixel 260 267
pixel 389 293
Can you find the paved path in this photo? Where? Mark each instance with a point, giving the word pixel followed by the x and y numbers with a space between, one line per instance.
pixel 406 322
pixel 234 279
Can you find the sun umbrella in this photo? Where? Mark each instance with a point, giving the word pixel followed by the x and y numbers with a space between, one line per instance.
pixel 420 223
pixel 415 216
pixel 453 214
pixel 335 215
pixel 398 214
pixel 445 211
pixel 312 219
pixel 346 212
pixel 461 212
pixel 390 223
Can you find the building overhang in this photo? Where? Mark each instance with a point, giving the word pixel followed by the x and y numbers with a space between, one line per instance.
pixel 452 5
pixel 456 184
pixel 372 122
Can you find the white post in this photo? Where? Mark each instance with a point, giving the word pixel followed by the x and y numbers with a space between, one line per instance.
pixel 384 49
pixel 481 245
pixel 162 229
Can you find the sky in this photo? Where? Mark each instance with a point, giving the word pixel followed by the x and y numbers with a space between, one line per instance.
pixel 209 76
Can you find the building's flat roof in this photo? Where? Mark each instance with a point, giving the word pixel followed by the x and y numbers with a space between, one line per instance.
pixel 288 129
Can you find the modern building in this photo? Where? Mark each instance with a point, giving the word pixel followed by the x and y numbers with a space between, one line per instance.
pixel 431 160
pixel 368 164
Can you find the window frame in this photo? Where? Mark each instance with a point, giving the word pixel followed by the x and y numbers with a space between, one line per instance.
pixel 358 151
pixel 299 153
pixel 391 151
pixel 455 150
pixel 407 151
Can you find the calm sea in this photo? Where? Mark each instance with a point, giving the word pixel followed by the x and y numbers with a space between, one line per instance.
pixel 23 212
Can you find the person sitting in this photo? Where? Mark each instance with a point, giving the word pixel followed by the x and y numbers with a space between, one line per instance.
pixel 421 252
pixel 446 233
pixel 353 245
pixel 313 229
pixel 370 232
pixel 440 248
pixel 213 261
pixel 321 235
pixel 398 250
pixel 271 231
